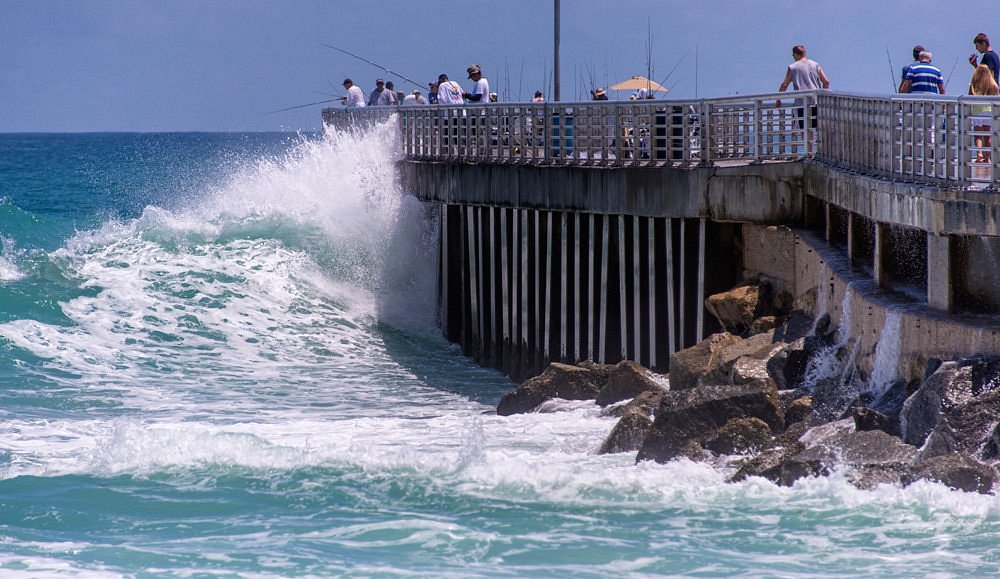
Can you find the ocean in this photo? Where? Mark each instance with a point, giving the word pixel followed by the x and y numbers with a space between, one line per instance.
pixel 218 357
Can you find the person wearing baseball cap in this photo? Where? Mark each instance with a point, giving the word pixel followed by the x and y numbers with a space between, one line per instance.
pixel 481 92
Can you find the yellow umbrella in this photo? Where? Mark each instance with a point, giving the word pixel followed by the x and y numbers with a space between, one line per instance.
pixel 638 82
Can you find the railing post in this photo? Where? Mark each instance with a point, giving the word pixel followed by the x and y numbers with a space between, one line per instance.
pixel 758 131
pixel 706 132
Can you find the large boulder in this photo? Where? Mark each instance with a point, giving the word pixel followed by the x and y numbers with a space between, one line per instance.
pixel 689 365
pixel 970 428
pixel 628 434
pixel 962 395
pixel 687 418
pixel 956 471
pixel 871 458
pixel 626 380
pixel 740 436
pixel 557 381
pixel 767 463
pixel 735 309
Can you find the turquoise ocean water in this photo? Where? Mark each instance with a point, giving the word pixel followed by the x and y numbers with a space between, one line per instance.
pixel 218 358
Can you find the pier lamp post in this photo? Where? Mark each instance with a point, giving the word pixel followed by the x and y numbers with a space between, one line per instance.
pixel 555 48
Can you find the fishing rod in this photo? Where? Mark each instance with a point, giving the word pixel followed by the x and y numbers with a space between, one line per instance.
pixel 892 69
pixel 302 106
pixel 376 65
pixel 952 72
pixel 669 74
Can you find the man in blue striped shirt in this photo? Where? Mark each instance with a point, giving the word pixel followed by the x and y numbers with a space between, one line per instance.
pixel 923 76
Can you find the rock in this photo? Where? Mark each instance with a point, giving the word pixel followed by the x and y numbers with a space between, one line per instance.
pixel 688 365
pixel 768 463
pixel 686 418
pixel 751 354
pixel 871 457
pixel 799 325
pixel 626 380
pixel 798 410
pixel 747 370
pixel 866 419
pixel 557 381
pixel 628 434
pixel 969 428
pixel 765 324
pixel 647 403
pixel 956 471
pixel 740 436
pixel 735 309
pixel 951 385
pixel 788 366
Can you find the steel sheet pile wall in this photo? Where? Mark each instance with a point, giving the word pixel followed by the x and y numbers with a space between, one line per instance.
pixel 522 287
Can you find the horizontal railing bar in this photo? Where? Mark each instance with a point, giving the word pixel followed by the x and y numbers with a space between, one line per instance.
pixel 937 139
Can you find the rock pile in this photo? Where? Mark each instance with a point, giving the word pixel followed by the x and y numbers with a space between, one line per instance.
pixel 762 398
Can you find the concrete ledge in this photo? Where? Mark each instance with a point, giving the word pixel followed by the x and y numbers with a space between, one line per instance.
pixel 822 280
pixel 933 209
pixel 764 193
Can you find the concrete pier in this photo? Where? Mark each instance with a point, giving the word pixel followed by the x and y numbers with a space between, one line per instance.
pixel 576 231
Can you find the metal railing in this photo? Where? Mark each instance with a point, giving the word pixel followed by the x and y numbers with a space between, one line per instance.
pixel 939 140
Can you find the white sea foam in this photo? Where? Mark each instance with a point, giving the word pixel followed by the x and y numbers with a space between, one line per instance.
pixel 8 265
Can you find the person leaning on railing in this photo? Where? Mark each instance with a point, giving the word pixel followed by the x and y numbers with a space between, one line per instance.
pixel 983 84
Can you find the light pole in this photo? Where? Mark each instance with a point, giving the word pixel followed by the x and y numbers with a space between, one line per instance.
pixel 555 58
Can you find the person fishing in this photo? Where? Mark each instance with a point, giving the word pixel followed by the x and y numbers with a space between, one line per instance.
pixel 355 98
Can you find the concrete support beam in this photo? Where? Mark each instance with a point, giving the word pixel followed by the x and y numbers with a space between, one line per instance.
pixel 939 280
pixel 881 254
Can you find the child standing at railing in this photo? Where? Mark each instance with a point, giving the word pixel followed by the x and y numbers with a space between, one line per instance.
pixel 983 84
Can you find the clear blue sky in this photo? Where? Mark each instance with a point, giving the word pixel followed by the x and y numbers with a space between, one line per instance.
pixel 220 65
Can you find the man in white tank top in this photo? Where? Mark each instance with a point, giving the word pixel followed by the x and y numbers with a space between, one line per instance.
pixel 804 74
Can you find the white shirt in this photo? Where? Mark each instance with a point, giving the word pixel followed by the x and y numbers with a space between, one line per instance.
pixel 412 99
pixel 449 93
pixel 355 98
pixel 387 97
pixel 482 87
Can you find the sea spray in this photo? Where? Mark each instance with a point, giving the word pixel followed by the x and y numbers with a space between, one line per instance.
pixel 8 261
pixel 887 351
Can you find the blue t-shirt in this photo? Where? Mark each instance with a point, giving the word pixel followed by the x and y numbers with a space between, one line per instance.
pixel 924 77
pixel 991 60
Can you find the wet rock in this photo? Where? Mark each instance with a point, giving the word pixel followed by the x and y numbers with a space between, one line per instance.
pixel 626 380
pixel 557 381
pixel 765 324
pixel 689 365
pixel 768 463
pixel 740 436
pixel 647 403
pixel 628 434
pixel 866 419
pixel 949 386
pixel 970 428
pixel 686 418
pixel 945 394
pixel 871 458
pixel 956 471
pixel 798 410
pixel 798 325
pixel 788 367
